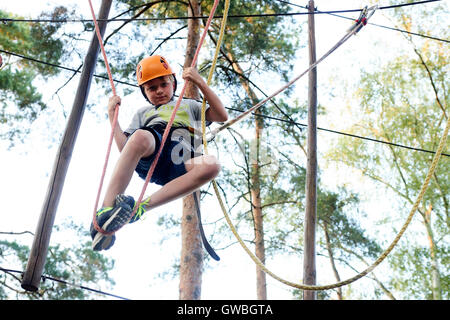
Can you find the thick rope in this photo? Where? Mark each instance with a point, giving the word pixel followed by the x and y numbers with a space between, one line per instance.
pixel 382 256
pixel 113 125
pixel 213 67
pixel 424 187
pixel 203 113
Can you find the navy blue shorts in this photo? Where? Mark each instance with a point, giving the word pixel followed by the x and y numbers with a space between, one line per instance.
pixel 167 167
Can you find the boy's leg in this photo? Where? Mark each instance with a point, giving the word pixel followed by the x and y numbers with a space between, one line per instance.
pixel 113 215
pixel 200 170
pixel 140 145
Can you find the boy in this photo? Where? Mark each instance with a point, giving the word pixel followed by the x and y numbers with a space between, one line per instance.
pixel 179 170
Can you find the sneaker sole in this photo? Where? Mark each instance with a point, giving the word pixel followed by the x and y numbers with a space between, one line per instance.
pixel 104 242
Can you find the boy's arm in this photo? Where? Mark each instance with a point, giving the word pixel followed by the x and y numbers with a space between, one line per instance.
pixel 216 111
pixel 119 136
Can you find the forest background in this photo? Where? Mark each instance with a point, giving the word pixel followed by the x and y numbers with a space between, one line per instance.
pixel 382 84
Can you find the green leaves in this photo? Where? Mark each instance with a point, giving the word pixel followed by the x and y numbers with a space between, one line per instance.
pixel 20 100
pixel 76 264
pixel 403 102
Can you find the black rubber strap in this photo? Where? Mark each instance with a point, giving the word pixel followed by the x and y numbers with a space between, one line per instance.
pixel 206 244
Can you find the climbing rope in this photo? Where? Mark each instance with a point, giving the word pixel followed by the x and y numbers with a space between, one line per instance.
pixel 213 67
pixel 207 246
pixel 113 125
pixel 362 20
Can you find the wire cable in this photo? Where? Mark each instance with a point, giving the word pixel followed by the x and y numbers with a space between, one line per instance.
pixel 62 67
pixel 234 109
pixel 44 277
pixel 341 133
pixel 215 17
pixel 333 13
pixel 238 16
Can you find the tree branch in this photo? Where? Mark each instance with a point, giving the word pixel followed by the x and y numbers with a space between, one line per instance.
pixel 430 77
pixel 17 233
pixel 146 7
pixel 168 38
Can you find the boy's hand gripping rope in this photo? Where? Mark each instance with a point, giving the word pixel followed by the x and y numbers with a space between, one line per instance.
pixel 169 124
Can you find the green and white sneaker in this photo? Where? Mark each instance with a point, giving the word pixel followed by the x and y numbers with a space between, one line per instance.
pixel 109 219
pixel 129 200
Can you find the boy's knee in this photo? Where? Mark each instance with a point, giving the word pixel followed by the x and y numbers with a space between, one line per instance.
pixel 210 167
pixel 142 142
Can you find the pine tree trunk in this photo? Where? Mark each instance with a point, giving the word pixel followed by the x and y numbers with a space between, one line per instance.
pixel 331 256
pixel 191 262
pixel 255 191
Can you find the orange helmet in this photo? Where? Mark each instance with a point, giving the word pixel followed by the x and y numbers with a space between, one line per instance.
pixel 151 68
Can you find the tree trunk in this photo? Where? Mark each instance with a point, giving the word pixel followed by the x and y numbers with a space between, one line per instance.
pixel 372 275
pixel 333 265
pixel 435 274
pixel 309 256
pixel 255 191
pixel 191 262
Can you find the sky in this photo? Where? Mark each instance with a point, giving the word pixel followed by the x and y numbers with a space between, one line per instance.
pixel 138 253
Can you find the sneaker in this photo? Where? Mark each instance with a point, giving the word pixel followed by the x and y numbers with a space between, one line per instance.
pixel 129 200
pixel 109 219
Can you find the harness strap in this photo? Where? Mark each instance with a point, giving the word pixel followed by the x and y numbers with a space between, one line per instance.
pixel 206 244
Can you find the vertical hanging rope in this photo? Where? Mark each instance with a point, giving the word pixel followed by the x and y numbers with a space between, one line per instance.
pixel 208 247
pixel 113 126
pixel 213 67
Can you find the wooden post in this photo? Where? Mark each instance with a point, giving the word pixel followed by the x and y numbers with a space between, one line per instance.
pixel 309 262
pixel 191 262
pixel 36 260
